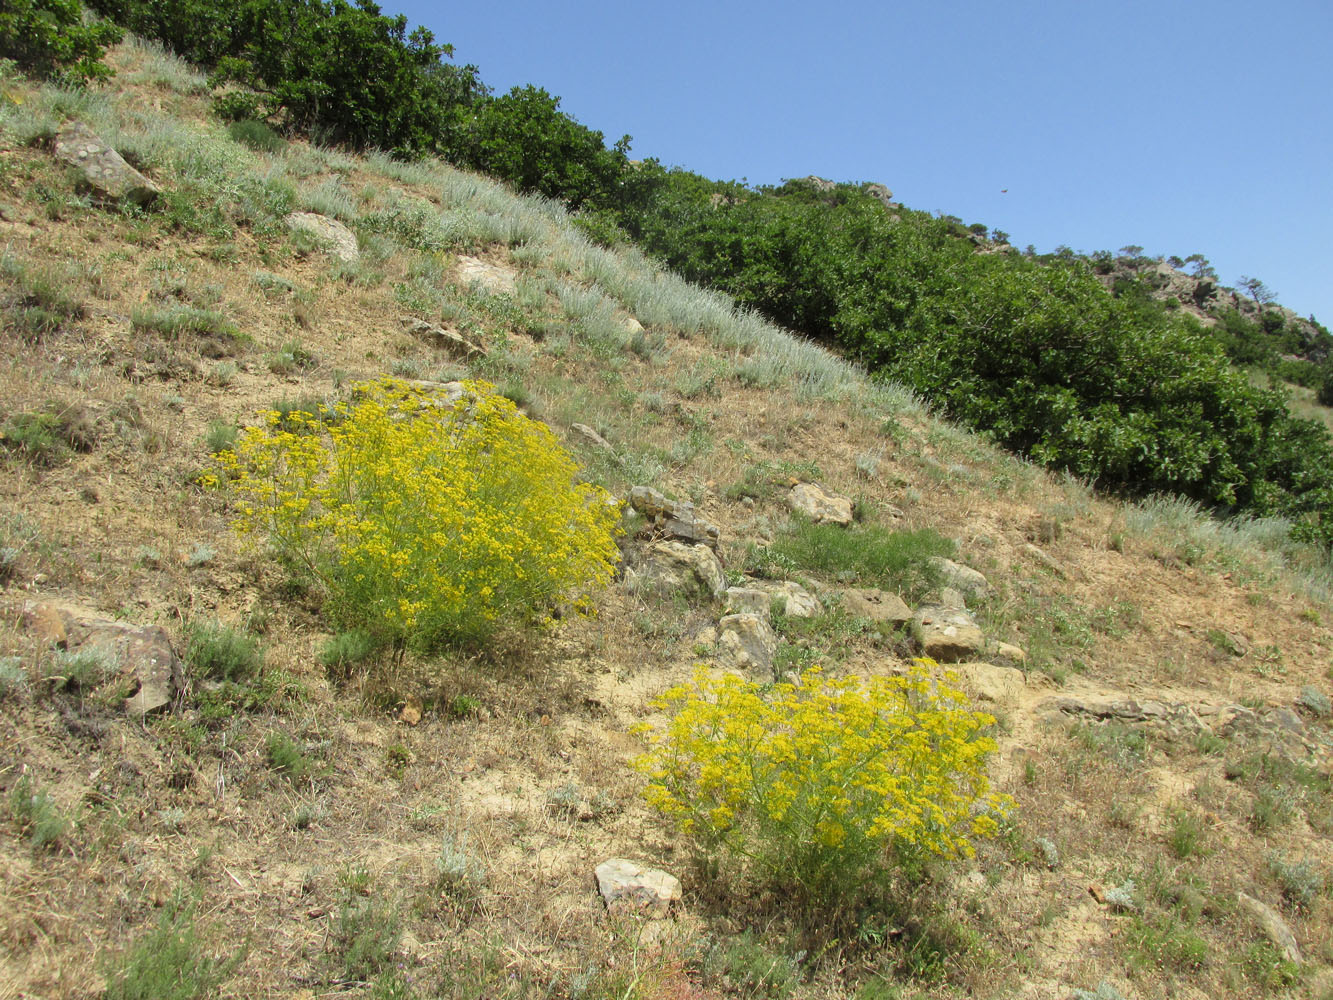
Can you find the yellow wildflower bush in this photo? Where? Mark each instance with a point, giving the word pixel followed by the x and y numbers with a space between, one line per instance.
pixel 424 522
pixel 824 784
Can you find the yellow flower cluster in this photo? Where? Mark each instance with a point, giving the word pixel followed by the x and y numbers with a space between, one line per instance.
pixel 823 783
pixel 426 522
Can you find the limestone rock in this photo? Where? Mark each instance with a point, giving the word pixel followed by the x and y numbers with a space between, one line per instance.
pixel 1273 926
pixel 103 169
pixel 331 234
pixel 440 338
pixel 592 437
pixel 1045 560
pixel 819 504
pixel 748 600
pixel 796 601
pixel 1007 654
pixel 492 277
pixel 746 642
pixel 877 605
pixel 628 887
pixel 959 577
pixel 882 195
pixel 1001 685
pixel 948 635
pixel 673 518
pixel 692 570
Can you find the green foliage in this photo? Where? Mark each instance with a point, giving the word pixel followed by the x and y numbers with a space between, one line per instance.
pixel 220 436
pixel 37 815
pixel 426 522
pixel 49 38
pixel 865 554
pixel 288 758
pixel 170 962
pixel 41 298
pixel 45 437
pixel 824 787
pixel 365 936
pixel 744 966
pixel 257 135
pixel 219 652
pixel 348 649
pixel 1113 388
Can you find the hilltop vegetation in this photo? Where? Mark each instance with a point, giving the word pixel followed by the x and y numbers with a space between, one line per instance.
pixel 1100 379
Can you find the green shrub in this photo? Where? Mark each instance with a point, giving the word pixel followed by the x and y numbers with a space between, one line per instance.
pixel 220 436
pixel 257 135
pixel 49 38
pixel 287 758
pixel 170 962
pixel 219 652
pixel 822 788
pixel 348 649
pixel 426 522
pixel 866 554
pixel 37 815
pixel 44 297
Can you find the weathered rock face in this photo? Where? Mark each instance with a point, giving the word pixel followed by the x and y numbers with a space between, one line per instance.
pixel 591 437
pixel 104 170
pixel 749 601
pixel 1001 685
pixel 330 233
pixel 440 338
pixel 948 635
pixel 628 887
pixel 961 578
pixel 675 567
pixel 877 605
pixel 795 600
pixel 746 642
pixel 673 518
pixel 141 652
pixel 819 504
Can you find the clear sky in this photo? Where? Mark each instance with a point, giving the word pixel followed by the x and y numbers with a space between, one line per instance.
pixel 1182 127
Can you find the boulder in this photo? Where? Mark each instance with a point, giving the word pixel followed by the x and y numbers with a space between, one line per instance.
pixel 1273 926
pixel 877 605
pixel 748 600
pixel 1001 685
pixel 796 601
pixel 882 195
pixel 104 170
pixel 746 642
pixel 947 635
pixel 438 337
pixel 491 277
pixel 676 567
pixel 331 234
pixel 819 504
pixel 628 887
pixel 959 577
pixel 673 518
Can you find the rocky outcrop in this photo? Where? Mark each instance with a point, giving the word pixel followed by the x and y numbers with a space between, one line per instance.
pixel 102 168
pixel 331 234
pixel 675 519
pixel 1274 927
pixel 746 642
pixel 491 277
pixel 959 577
pixel 794 600
pixel 877 605
pixel 947 634
pixel 438 337
pixel 678 568
pixel 821 505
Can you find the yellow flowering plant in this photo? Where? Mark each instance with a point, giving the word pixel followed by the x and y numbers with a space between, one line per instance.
pixel 424 521
pixel 823 784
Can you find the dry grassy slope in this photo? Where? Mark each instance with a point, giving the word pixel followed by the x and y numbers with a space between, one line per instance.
pixel 692 405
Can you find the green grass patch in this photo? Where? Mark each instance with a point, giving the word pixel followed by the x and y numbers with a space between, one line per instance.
pixel 219 652
pixel 864 555
pixel 170 962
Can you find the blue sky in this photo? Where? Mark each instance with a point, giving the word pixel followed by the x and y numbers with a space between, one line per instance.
pixel 1182 127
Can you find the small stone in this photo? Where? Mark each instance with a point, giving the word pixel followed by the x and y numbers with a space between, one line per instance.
pixel 1050 854
pixel 628 887
pixel 1044 560
pixel 821 505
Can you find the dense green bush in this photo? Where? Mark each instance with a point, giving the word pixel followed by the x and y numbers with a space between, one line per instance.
pixel 1109 385
pixel 49 38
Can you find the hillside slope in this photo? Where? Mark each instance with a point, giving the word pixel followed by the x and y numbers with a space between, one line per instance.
pixel 429 825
